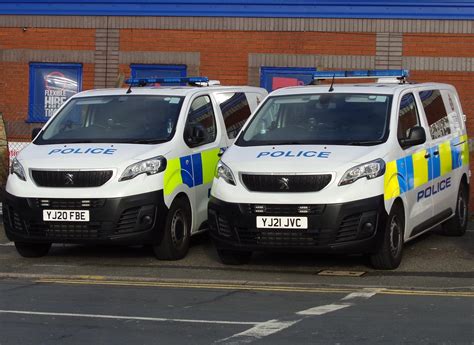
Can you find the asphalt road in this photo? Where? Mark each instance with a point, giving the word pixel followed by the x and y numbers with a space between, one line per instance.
pixel 122 295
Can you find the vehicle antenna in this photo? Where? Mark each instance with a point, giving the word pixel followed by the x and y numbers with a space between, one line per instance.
pixel 129 89
pixel 331 88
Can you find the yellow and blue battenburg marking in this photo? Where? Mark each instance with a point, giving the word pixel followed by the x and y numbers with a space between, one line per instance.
pixel 413 171
pixel 192 170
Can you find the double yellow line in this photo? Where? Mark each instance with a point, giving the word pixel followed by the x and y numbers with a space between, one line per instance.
pixel 97 280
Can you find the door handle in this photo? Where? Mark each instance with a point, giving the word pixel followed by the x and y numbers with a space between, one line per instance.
pixel 436 153
pixel 427 155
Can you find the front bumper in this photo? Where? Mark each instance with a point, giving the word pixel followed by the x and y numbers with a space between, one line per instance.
pixel 331 228
pixel 135 219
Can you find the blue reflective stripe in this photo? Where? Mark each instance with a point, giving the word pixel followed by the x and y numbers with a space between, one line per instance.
pixel 456 152
pixel 187 171
pixel 410 172
pixel 197 169
pixel 434 165
pixel 402 175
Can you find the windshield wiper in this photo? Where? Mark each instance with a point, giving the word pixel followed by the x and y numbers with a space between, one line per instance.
pixel 365 143
pixel 147 141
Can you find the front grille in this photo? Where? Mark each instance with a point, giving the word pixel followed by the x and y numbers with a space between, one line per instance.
pixel 71 179
pixel 70 231
pixel 223 227
pixel 286 183
pixel 128 220
pixel 348 228
pixel 68 203
pixel 272 209
pixel 284 238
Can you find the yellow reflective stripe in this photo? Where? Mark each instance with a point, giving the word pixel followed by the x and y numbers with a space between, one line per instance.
pixel 445 157
pixel 420 168
pixel 209 162
pixel 465 150
pixel 172 177
pixel 391 186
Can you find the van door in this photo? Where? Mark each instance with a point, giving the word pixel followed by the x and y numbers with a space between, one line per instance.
pixel 413 167
pixel 204 136
pixel 444 127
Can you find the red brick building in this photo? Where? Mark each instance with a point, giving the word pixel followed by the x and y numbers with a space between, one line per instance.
pixel 230 42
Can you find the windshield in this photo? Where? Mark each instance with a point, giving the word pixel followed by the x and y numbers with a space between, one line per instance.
pixel 114 119
pixel 336 118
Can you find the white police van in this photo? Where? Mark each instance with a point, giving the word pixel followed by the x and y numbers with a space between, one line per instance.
pixel 349 168
pixel 125 166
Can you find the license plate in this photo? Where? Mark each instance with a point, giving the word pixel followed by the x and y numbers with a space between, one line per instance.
pixel 65 216
pixel 282 222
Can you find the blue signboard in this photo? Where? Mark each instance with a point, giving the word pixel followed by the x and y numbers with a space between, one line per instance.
pixel 51 84
pixel 157 71
pixel 272 78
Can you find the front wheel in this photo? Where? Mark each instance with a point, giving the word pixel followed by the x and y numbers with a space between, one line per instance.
pixel 456 226
pixel 389 252
pixel 32 250
pixel 177 232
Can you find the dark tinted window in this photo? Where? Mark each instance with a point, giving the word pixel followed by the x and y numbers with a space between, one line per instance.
pixel 114 119
pixel 331 118
pixel 407 116
pixel 435 113
pixel 201 116
pixel 235 110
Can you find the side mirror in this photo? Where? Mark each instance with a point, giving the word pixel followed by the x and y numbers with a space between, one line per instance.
pixel 416 136
pixel 35 132
pixel 196 135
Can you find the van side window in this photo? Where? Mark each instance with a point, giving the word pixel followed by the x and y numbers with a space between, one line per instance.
pixel 235 110
pixel 436 114
pixel 407 116
pixel 200 126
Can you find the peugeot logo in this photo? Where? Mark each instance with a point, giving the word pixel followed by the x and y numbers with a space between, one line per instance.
pixel 68 179
pixel 284 183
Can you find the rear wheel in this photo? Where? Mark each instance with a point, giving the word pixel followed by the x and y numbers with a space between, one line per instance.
pixel 389 252
pixel 234 257
pixel 32 250
pixel 456 226
pixel 177 232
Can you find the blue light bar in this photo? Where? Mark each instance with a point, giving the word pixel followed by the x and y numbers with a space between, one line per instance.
pixel 379 73
pixel 170 80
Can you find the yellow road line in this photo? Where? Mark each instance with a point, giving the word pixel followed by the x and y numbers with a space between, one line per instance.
pixel 254 287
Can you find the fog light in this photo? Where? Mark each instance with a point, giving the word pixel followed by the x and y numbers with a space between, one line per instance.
pixel 146 220
pixel 367 230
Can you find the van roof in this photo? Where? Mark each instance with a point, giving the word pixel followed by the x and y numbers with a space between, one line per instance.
pixel 375 88
pixel 166 91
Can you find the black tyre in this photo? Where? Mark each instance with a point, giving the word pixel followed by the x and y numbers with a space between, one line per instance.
pixel 234 257
pixel 32 250
pixel 177 232
pixel 389 252
pixel 456 226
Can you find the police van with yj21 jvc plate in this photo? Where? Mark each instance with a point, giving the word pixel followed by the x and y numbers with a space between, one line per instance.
pixel 126 166
pixel 344 168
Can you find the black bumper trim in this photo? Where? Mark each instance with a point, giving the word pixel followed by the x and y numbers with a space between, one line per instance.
pixel 136 219
pixel 340 228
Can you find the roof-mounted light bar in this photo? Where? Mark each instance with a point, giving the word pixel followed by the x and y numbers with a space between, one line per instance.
pixel 360 74
pixel 171 80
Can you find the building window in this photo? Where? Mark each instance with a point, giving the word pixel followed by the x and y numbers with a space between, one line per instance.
pixel 435 112
pixel 158 71
pixel 272 78
pixel 51 84
pixel 235 110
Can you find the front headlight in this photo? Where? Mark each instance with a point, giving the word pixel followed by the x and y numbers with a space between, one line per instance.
pixel 369 170
pixel 150 166
pixel 224 172
pixel 17 169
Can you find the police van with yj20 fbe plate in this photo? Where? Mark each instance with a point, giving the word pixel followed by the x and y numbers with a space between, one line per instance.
pixel 127 166
pixel 345 168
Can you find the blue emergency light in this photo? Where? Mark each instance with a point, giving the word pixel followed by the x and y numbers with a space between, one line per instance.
pixel 357 74
pixel 170 80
